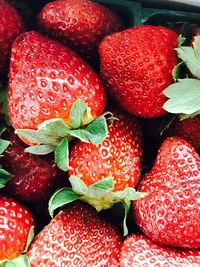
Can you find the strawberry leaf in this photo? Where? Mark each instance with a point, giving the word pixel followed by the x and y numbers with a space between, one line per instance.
pixel 20 261
pixel 35 137
pixel 54 127
pixel 181 40
pixel 105 184
pixel 183 97
pixel 191 56
pixel 4 177
pixel 60 198
pixel 3 145
pixel 77 113
pixel 62 155
pixel 95 132
pixel 40 150
pixel 177 70
pixel 30 238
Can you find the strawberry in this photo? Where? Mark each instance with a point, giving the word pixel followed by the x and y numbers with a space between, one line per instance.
pixel 34 178
pixel 136 65
pixel 11 25
pixel 188 129
pixel 15 225
pixel 169 213
pixel 138 250
pixel 80 24
pixel 76 237
pixel 106 173
pixel 51 88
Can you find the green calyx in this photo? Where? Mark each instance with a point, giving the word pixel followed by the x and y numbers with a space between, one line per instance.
pixel 184 94
pixel 21 260
pixel 100 195
pixel 53 135
pixel 4 175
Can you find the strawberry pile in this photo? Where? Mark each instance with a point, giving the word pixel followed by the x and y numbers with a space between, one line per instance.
pixel 99 139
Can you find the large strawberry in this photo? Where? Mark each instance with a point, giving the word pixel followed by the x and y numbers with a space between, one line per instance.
pixel 80 24
pixel 16 223
pixel 50 84
pixel 11 25
pixel 34 178
pixel 138 250
pixel 76 237
pixel 169 213
pixel 106 173
pixel 137 65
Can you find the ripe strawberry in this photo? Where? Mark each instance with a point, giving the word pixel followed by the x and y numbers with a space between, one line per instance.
pixel 34 178
pixel 137 65
pixel 170 212
pixel 46 79
pixel 80 24
pixel 138 250
pixel 188 129
pixel 119 155
pixel 15 224
pixel 11 25
pixel 76 237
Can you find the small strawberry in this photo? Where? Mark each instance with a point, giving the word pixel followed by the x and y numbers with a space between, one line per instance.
pixel 80 24
pixel 11 25
pixel 169 213
pixel 136 65
pixel 106 173
pixel 52 89
pixel 138 250
pixel 34 178
pixel 15 225
pixel 76 237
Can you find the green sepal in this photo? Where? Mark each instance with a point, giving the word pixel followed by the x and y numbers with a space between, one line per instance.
pixel 95 132
pixel 166 123
pixel 36 137
pixel 3 145
pixel 40 150
pixel 30 238
pixel 4 177
pixel 2 128
pixel 105 184
pixel 183 96
pixel 181 40
pixel 60 198
pixel 177 70
pixel 20 261
pixel 62 155
pixel 191 56
pixel 54 127
pixel 77 113
pixel 126 204
pixel 187 116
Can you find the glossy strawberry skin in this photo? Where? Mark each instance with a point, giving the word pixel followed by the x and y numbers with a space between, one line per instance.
pixel 138 250
pixel 80 24
pixel 76 237
pixel 15 224
pixel 11 25
pixel 34 178
pixel 188 129
pixel 170 213
pixel 137 65
pixel 119 155
pixel 46 79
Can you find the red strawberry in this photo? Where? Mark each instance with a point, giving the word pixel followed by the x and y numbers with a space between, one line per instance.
pixel 138 250
pixel 15 224
pixel 170 212
pixel 188 129
pixel 46 79
pixel 76 237
pixel 119 155
pixel 137 65
pixel 34 178
pixel 81 24
pixel 11 25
